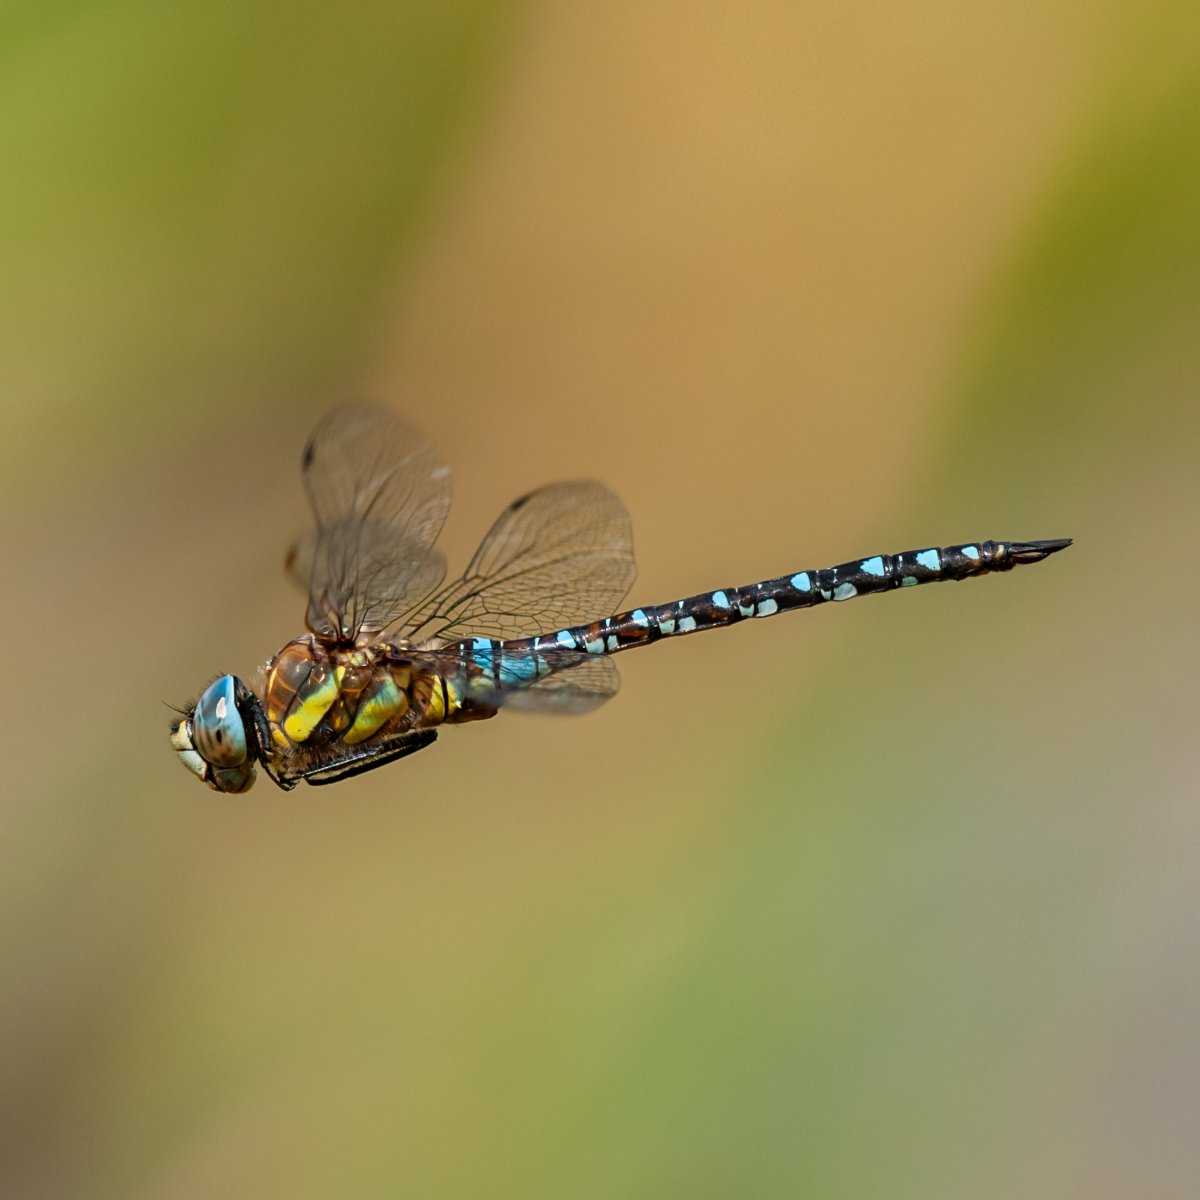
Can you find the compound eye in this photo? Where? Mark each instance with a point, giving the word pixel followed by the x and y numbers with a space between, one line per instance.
pixel 218 732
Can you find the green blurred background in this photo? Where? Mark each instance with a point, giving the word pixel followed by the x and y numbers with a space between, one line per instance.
pixel 896 899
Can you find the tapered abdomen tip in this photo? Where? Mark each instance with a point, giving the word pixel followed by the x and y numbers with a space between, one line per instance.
pixel 1031 552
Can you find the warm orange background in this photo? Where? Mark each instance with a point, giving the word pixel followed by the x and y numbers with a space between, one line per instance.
pixel 898 899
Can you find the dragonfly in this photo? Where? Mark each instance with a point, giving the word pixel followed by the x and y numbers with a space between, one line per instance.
pixel 392 652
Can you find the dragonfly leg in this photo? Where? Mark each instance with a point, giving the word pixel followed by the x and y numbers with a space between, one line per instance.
pixel 367 760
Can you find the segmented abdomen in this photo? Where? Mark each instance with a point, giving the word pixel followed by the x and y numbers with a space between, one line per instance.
pixel 803 589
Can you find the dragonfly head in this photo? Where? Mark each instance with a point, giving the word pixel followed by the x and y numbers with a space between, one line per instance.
pixel 215 741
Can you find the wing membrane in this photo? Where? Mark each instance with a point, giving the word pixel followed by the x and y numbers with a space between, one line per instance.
pixel 559 556
pixel 300 558
pixel 579 682
pixel 380 495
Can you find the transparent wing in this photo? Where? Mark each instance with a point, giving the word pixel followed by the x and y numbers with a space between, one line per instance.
pixel 579 682
pixel 380 495
pixel 299 568
pixel 560 556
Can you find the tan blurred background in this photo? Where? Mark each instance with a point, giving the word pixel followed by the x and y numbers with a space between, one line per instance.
pixel 898 899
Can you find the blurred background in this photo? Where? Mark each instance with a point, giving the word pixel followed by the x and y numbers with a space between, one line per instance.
pixel 893 899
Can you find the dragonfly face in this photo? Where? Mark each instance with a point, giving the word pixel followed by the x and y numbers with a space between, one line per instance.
pixel 214 741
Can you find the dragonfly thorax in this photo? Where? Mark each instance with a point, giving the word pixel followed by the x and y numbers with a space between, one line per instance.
pixel 317 694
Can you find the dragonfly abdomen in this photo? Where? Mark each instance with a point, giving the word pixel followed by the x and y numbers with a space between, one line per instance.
pixel 801 589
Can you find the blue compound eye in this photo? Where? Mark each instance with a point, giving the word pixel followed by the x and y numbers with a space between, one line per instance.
pixel 218 733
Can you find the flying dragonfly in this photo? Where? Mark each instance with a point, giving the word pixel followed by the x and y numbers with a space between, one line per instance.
pixel 392 652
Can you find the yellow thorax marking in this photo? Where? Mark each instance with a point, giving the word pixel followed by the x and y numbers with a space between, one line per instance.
pixel 312 703
pixel 441 706
pixel 383 700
